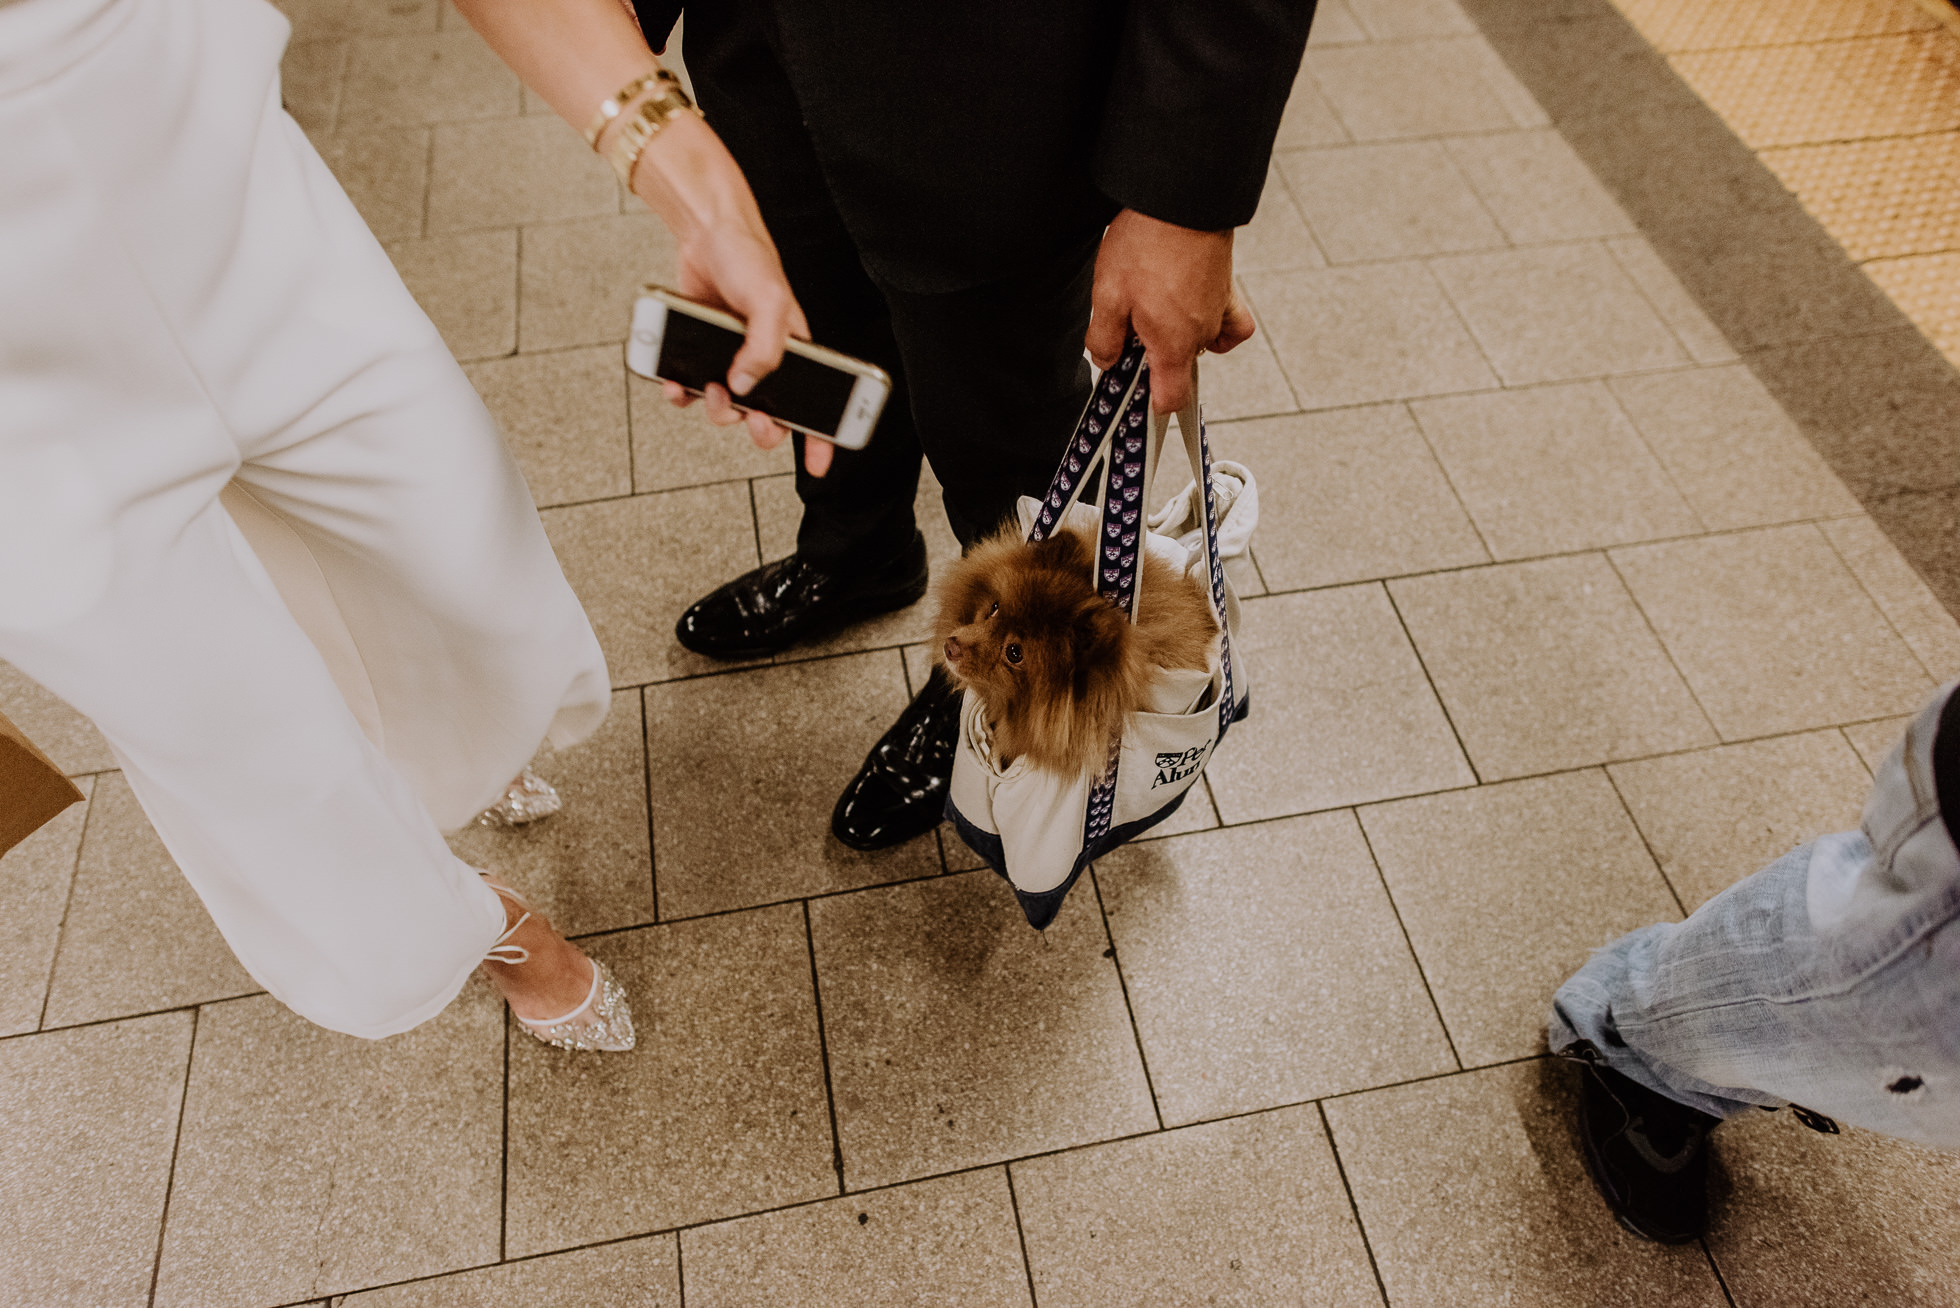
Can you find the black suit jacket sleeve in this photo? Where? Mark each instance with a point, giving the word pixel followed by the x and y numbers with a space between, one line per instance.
pixel 1195 104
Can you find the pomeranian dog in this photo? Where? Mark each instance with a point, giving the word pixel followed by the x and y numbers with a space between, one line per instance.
pixel 1057 667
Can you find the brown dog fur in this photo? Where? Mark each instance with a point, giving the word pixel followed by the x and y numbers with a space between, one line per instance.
pixel 1084 666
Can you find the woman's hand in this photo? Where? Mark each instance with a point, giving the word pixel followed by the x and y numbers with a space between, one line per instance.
pixel 575 53
pixel 737 269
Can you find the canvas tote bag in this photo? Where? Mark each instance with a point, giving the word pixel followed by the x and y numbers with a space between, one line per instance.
pixel 1040 831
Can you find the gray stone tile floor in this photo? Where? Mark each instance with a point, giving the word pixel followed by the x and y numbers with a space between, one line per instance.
pixel 1558 624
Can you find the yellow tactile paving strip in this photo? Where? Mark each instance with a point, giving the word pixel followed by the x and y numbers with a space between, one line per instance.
pixel 1855 106
pixel 1832 90
pixel 1675 25
pixel 1881 198
pixel 1927 288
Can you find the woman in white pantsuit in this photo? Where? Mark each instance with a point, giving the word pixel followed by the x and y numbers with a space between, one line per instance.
pixel 257 526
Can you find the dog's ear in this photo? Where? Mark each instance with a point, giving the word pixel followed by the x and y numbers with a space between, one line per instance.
pixel 959 596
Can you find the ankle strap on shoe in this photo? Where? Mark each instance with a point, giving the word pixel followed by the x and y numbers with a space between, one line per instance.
pixel 505 952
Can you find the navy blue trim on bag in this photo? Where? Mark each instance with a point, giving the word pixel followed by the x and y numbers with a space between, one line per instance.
pixel 1041 908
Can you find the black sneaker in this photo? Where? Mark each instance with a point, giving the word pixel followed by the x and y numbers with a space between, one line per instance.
pixel 1648 1155
pixel 765 611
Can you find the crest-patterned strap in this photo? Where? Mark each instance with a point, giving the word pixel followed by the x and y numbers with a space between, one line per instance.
pixel 1119 540
pixel 1102 796
pixel 1227 701
pixel 1108 403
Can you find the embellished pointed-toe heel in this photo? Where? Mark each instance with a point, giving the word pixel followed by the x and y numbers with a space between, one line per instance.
pixel 527 799
pixel 602 1023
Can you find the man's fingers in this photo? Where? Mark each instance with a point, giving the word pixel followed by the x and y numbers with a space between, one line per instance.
pixel 678 395
pixel 762 350
pixel 1108 330
pixel 817 455
pixel 1237 327
pixel 1170 378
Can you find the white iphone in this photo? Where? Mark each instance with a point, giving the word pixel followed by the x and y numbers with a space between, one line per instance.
pixel 816 391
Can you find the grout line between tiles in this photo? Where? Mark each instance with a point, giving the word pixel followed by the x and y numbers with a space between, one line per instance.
pixel 1408 942
pixel 950 872
pixel 429 186
pixel 1299 210
pixel 170 1176
pixel 625 408
pixel 186 1007
pixel 679 1230
pixel 1640 831
pixel 1333 110
pixel 1355 805
pixel 1883 611
pixel 1252 556
pixel 1020 1233
pixel 1846 738
pixel 823 1050
pixel 1653 631
pixel 755 517
pixel 1430 680
pixel 1429 263
pixel 1721 1281
pixel 503 1177
pixel 646 783
pixel 680 1272
pixel 99 772
pixel 1680 492
pixel 1129 1010
pixel 1640 289
pixel 1367 1245
pixel 1490 556
pixel 67 905
pixel 1690 365
pixel 1497 224
pixel 1217 814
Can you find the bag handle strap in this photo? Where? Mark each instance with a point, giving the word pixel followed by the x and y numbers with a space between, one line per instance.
pixel 1131 459
pixel 1191 425
pixel 1110 404
pixel 1113 426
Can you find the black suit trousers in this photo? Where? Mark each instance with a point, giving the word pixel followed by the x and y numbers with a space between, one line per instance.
pixel 988 381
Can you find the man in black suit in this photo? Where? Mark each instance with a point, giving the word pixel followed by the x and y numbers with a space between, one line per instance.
pixel 952 188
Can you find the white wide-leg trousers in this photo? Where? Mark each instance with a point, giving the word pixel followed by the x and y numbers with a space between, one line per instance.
pixel 254 522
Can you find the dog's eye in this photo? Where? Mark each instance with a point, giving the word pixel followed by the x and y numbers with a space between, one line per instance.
pixel 1014 654
pixel 995 609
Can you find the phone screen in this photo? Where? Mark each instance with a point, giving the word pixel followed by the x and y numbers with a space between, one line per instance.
pixel 801 390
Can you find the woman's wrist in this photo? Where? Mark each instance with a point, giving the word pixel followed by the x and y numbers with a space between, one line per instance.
pixel 686 175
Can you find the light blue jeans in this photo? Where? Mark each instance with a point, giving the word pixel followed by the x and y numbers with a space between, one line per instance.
pixel 1830 979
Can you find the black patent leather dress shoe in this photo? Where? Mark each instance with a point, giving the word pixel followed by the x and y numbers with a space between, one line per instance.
pixel 1647 1154
pixel 793 599
pixel 900 792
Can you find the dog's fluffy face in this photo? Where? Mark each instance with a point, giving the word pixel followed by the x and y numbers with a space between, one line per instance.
pixel 1024 628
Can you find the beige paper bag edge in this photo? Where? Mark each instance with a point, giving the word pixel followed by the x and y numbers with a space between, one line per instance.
pixel 32 789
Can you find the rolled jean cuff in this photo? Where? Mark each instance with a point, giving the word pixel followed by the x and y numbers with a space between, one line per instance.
pixel 1581 1027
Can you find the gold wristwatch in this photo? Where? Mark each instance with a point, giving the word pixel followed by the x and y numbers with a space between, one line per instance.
pixel 642 122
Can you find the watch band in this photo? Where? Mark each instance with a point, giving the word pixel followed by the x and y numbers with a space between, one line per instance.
pixel 612 106
pixel 642 124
